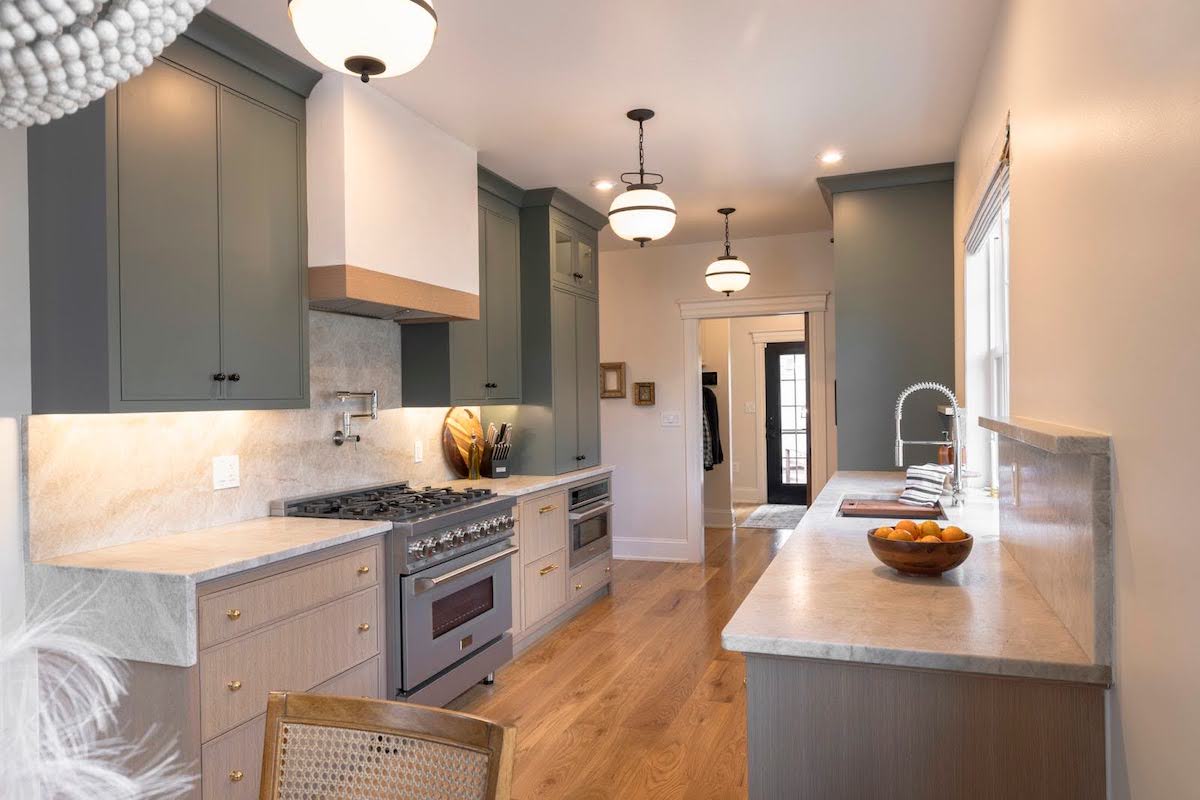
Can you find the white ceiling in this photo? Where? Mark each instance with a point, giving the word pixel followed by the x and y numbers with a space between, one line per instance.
pixel 748 92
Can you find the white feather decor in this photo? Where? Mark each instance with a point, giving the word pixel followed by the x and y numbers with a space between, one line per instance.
pixel 69 749
pixel 56 56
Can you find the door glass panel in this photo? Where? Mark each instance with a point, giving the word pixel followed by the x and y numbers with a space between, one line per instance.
pixel 793 419
pixel 562 253
pixel 460 607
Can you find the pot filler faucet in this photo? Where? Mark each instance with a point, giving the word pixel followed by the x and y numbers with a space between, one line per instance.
pixel 957 431
pixel 344 435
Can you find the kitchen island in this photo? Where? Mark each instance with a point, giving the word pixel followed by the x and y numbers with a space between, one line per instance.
pixel 867 683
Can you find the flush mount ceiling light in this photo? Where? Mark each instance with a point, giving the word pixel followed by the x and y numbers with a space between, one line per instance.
pixel 728 273
pixel 368 38
pixel 830 157
pixel 642 213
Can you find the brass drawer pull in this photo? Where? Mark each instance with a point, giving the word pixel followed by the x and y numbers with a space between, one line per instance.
pixel 364 627
pixel 233 686
pixel 233 613
pixel 547 509
pixel 547 570
pixel 236 775
pixel 363 570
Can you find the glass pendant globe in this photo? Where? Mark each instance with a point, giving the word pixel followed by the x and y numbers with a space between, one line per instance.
pixel 396 33
pixel 727 275
pixel 642 215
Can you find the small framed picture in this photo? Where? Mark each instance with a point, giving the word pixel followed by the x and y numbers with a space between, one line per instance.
pixel 612 379
pixel 643 394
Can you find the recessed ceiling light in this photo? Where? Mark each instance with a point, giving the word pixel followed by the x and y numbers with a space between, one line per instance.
pixel 603 185
pixel 830 156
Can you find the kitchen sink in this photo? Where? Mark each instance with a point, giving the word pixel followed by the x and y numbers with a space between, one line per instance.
pixel 885 506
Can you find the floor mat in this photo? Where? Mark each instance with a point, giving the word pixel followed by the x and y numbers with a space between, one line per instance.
pixel 776 517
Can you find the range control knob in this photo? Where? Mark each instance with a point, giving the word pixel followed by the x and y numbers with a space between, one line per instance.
pixel 459 535
pixel 475 531
pixel 430 547
pixel 415 549
pixel 508 521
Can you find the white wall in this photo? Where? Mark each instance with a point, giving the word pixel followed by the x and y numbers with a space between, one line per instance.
pixel 746 375
pixel 640 325
pixel 387 190
pixel 1105 263
pixel 718 482
pixel 14 399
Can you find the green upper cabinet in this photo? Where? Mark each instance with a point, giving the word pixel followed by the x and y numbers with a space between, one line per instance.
pixel 572 254
pixel 167 237
pixel 475 362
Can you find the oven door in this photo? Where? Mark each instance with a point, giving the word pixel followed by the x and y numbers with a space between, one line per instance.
pixel 453 609
pixel 591 532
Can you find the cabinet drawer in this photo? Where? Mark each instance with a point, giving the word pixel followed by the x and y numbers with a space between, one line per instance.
pixel 232 762
pixel 590 578
pixel 543 526
pixel 545 585
pixel 225 615
pixel 295 655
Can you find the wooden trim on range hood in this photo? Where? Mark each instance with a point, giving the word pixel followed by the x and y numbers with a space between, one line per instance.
pixel 346 289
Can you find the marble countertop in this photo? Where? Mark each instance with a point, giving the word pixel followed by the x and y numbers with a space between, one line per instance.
pixel 826 596
pixel 154 580
pixel 517 485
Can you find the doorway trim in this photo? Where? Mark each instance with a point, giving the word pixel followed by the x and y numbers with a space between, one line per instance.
pixel 817 400
pixel 692 311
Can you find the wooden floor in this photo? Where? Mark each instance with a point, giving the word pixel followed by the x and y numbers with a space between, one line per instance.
pixel 635 697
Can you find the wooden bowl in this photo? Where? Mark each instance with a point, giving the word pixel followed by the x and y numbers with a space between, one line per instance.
pixel 920 558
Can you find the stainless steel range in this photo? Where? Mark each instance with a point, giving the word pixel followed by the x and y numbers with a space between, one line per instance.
pixel 449 581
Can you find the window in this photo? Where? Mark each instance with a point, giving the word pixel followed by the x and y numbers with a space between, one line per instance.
pixel 986 311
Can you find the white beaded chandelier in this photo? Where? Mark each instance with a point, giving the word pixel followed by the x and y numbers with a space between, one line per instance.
pixel 56 56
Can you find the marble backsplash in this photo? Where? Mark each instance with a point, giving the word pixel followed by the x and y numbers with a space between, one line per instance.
pixel 1056 522
pixel 105 479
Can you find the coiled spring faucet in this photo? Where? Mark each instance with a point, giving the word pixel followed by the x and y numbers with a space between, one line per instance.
pixel 957 439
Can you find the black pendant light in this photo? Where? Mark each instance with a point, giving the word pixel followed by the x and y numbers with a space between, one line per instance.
pixel 642 213
pixel 728 273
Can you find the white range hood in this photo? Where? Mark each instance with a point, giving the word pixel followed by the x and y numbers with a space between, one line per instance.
pixel 393 225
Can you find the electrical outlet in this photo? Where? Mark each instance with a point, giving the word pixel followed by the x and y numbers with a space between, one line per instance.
pixel 671 419
pixel 226 472
pixel 418 452
pixel 737 466
pixel 749 408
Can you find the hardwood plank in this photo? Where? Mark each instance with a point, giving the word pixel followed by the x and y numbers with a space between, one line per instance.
pixel 635 697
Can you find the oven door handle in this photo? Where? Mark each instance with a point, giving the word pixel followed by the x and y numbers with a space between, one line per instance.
pixel 603 508
pixel 423 585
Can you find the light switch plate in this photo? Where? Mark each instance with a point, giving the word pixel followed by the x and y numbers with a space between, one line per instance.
pixel 670 419
pixel 226 472
pixel 418 452
pixel 737 466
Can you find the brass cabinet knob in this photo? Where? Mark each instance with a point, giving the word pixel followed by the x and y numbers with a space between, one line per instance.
pixel 236 775
pixel 233 686
pixel 547 570
pixel 608 569
pixel 363 570
pixel 578 586
pixel 364 627
pixel 233 613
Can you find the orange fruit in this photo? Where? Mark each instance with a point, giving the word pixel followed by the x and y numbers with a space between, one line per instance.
pixel 884 532
pixel 953 533
pixel 900 536
pixel 908 525
pixel 931 528
pixel 931 539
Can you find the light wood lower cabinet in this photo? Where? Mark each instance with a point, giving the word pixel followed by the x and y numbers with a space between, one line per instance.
pixel 518 571
pixel 590 577
pixel 232 763
pixel 294 655
pixel 545 585
pixel 543 526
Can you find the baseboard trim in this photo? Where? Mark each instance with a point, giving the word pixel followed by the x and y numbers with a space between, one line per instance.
pixel 748 496
pixel 651 550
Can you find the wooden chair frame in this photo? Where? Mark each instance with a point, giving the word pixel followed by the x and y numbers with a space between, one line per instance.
pixel 384 716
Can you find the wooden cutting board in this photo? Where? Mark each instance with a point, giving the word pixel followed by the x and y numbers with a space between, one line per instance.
pixel 460 424
pixel 889 509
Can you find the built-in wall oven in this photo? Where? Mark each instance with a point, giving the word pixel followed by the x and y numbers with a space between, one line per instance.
pixel 590 518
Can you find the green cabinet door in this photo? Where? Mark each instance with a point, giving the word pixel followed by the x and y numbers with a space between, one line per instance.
pixel 562 252
pixel 168 237
pixel 499 230
pixel 565 384
pixel 468 341
pixel 262 282
pixel 587 379
pixel 586 260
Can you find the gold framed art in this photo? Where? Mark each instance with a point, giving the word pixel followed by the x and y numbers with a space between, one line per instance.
pixel 612 379
pixel 643 394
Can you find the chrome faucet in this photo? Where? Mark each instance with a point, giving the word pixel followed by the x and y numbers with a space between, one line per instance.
pixel 957 441
pixel 344 435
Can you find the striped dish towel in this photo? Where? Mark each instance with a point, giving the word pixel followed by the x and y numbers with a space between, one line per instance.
pixel 923 485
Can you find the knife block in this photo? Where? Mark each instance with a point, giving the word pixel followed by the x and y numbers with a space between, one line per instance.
pixel 494 466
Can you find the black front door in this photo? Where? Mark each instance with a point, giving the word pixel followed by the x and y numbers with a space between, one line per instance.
pixel 786 371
